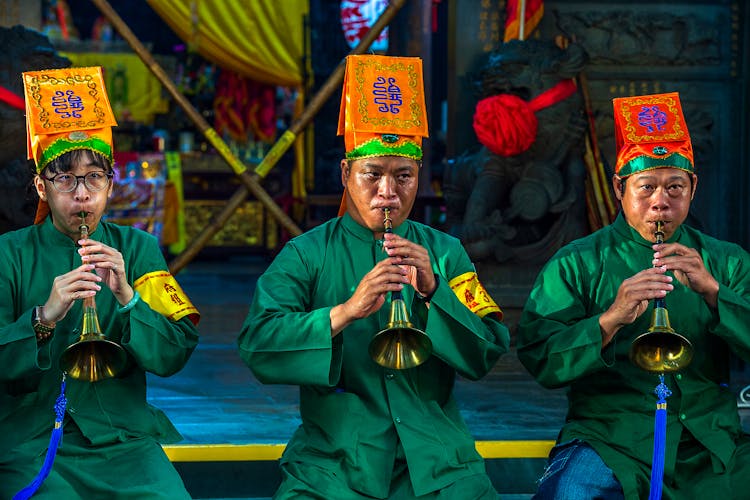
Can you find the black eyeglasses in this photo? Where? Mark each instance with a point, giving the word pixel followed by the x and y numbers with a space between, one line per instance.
pixel 94 181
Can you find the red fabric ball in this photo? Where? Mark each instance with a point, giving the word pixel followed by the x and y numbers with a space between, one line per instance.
pixel 505 124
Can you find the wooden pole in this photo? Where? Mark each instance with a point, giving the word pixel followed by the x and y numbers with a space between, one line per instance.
pixel 249 180
pixel 316 103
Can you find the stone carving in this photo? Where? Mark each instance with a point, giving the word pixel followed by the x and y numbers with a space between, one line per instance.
pixel 23 50
pixel 641 38
pixel 525 206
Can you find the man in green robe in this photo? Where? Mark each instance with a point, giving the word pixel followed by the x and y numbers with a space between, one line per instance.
pixel 588 304
pixel 111 436
pixel 370 431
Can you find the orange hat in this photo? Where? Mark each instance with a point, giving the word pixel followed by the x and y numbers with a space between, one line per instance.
pixel 383 107
pixel 650 133
pixel 66 109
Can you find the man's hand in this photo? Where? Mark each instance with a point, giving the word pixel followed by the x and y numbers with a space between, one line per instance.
pixel 110 266
pixel 369 297
pixel 689 269
pixel 69 287
pixel 632 300
pixel 406 253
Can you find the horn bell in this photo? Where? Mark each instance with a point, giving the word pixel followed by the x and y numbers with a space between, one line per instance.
pixel 661 349
pixel 400 345
pixel 92 357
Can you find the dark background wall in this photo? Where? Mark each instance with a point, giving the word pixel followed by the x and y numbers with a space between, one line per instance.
pixel 697 48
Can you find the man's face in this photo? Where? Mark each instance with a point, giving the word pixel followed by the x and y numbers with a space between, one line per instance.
pixel 373 184
pixel 662 194
pixel 66 208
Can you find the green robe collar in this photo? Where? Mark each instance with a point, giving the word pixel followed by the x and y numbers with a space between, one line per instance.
pixel 627 231
pixel 53 236
pixel 365 234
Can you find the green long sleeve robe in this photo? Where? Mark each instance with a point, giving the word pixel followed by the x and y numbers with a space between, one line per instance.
pixel 611 402
pixel 353 411
pixel 109 412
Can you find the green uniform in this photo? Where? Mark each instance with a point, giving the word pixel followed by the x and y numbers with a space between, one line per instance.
pixel 357 416
pixel 611 402
pixel 110 445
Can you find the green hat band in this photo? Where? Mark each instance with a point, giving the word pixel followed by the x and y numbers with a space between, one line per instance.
pixel 376 147
pixel 64 145
pixel 642 163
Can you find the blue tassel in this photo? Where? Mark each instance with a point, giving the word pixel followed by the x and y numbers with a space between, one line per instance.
pixel 54 442
pixel 660 440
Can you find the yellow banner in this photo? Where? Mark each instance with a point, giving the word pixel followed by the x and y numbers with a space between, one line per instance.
pixel 473 295
pixel 162 292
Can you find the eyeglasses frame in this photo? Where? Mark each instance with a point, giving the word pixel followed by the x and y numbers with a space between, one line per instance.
pixel 78 178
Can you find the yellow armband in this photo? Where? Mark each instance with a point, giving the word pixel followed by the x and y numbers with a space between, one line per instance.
pixel 473 295
pixel 164 295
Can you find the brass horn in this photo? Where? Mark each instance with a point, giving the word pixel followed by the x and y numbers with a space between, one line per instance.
pixel 661 349
pixel 92 357
pixel 399 345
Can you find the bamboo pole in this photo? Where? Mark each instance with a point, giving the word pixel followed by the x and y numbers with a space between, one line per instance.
pixel 601 207
pixel 285 141
pixel 250 181
pixel 605 203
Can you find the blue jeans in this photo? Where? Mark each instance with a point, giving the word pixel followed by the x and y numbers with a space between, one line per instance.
pixel 576 472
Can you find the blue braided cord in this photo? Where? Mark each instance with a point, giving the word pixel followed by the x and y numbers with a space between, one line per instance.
pixel 54 442
pixel 660 440
pixel 662 391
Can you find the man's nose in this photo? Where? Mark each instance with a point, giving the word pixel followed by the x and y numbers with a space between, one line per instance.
pixel 81 191
pixel 387 186
pixel 661 197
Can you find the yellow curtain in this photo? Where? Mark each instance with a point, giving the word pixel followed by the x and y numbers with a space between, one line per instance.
pixel 262 40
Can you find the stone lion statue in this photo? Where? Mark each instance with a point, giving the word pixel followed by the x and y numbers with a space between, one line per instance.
pixel 522 197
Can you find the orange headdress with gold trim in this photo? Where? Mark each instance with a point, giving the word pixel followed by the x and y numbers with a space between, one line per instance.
pixel 650 132
pixel 66 109
pixel 383 107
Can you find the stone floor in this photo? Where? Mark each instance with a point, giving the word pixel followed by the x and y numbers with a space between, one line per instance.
pixel 215 398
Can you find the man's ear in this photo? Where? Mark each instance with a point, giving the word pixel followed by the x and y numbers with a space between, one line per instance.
pixel 618 186
pixel 41 188
pixel 695 185
pixel 344 171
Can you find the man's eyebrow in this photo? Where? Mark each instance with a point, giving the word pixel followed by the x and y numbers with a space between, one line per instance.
pixel 405 168
pixel 676 177
pixel 371 164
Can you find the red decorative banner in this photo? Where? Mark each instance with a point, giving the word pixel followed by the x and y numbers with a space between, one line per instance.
pixel 357 16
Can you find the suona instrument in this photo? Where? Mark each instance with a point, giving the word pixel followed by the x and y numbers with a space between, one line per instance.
pixel 661 349
pixel 92 357
pixel 399 345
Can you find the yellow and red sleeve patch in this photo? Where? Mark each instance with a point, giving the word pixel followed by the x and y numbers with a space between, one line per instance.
pixel 473 295
pixel 162 292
